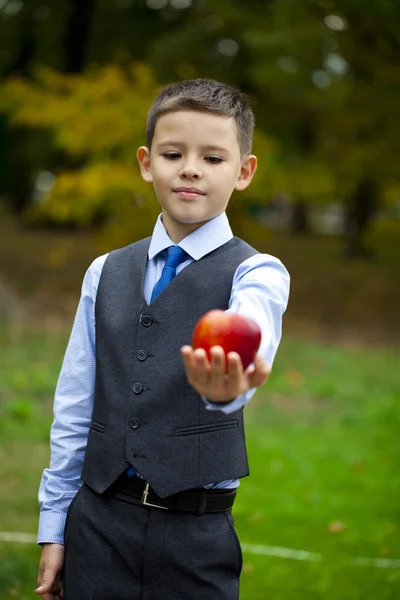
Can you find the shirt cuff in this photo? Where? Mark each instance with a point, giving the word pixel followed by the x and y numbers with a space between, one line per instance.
pixel 229 407
pixel 51 527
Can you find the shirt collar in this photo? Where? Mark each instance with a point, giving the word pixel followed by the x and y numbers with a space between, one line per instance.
pixel 202 241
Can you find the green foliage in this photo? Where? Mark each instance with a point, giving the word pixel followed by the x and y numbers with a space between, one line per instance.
pixel 98 120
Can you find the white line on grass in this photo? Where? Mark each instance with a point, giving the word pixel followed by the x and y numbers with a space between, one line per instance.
pixel 280 552
pixel 13 536
pixel 383 563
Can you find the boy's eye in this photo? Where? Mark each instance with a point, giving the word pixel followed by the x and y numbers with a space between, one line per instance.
pixel 171 155
pixel 213 159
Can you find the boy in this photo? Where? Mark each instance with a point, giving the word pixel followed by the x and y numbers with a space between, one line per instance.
pixel 148 435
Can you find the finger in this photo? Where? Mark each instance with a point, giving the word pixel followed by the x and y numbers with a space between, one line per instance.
pixel 47 578
pixel 46 595
pixel 56 592
pixel 44 587
pixel 202 367
pixel 217 363
pixel 234 381
pixel 186 353
pixel 259 375
pixel 186 349
pixel 194 359
pixel 188 358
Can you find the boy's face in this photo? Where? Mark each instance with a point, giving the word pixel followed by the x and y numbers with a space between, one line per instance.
pixel 194 165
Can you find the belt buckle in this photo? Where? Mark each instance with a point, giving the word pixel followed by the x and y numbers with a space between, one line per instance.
pixel 144 498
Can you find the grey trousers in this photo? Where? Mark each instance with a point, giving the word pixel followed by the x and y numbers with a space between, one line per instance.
pixel 117 550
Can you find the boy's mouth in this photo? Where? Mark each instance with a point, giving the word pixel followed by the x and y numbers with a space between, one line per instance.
pixel 189 193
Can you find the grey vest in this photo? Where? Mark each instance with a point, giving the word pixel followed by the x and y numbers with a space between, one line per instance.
pixel 145 412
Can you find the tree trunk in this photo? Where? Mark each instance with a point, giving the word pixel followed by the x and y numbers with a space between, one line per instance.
pixel 300 218
pixel 17 184
pixel 360 212
pixel 77 35
pixel 75 45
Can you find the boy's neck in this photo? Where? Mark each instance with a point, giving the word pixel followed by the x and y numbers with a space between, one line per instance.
pixel 179 231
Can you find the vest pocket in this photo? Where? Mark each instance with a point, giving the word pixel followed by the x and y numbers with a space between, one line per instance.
pixel 206 428
pixel 97 427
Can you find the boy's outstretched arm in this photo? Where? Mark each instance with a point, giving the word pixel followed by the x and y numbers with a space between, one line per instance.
pixel 260 291
pixel 222 379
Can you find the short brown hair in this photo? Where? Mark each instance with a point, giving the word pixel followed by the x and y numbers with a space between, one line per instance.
pixel 206 95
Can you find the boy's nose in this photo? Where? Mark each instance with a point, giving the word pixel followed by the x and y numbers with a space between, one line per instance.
pixel 190 172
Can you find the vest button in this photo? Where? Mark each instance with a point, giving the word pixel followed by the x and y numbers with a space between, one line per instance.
pixel 141 355
pixel 134 422
pixel 137 388
pixel 146 320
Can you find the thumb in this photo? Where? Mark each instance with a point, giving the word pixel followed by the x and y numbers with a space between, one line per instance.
pixel 46 583
pixel 259 374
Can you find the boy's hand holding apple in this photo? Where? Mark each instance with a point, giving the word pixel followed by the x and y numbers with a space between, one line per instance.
pixel 223 346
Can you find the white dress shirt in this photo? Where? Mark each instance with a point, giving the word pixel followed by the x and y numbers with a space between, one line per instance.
pixel 260 291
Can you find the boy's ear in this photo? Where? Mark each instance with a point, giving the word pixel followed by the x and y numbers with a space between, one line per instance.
pixel 247 170
pixel 143 156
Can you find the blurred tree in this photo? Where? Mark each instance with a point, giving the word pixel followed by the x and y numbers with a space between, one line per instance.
pixel 98 120
pixel 324 80
pixel 322 75
pixel 333 69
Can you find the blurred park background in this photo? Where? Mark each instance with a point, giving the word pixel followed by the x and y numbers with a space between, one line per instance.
pixel 323 77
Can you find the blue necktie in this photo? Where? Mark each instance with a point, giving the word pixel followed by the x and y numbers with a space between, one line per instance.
pixel 175 256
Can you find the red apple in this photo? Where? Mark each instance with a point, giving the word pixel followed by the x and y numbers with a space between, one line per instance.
pixel 234 333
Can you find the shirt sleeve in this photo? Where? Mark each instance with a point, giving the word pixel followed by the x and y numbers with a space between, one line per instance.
pixel 260 291
pixel 73 405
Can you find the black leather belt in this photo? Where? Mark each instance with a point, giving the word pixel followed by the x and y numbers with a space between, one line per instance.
pixel 198 501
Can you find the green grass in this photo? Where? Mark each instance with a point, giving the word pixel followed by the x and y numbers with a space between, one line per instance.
pixel 323 440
